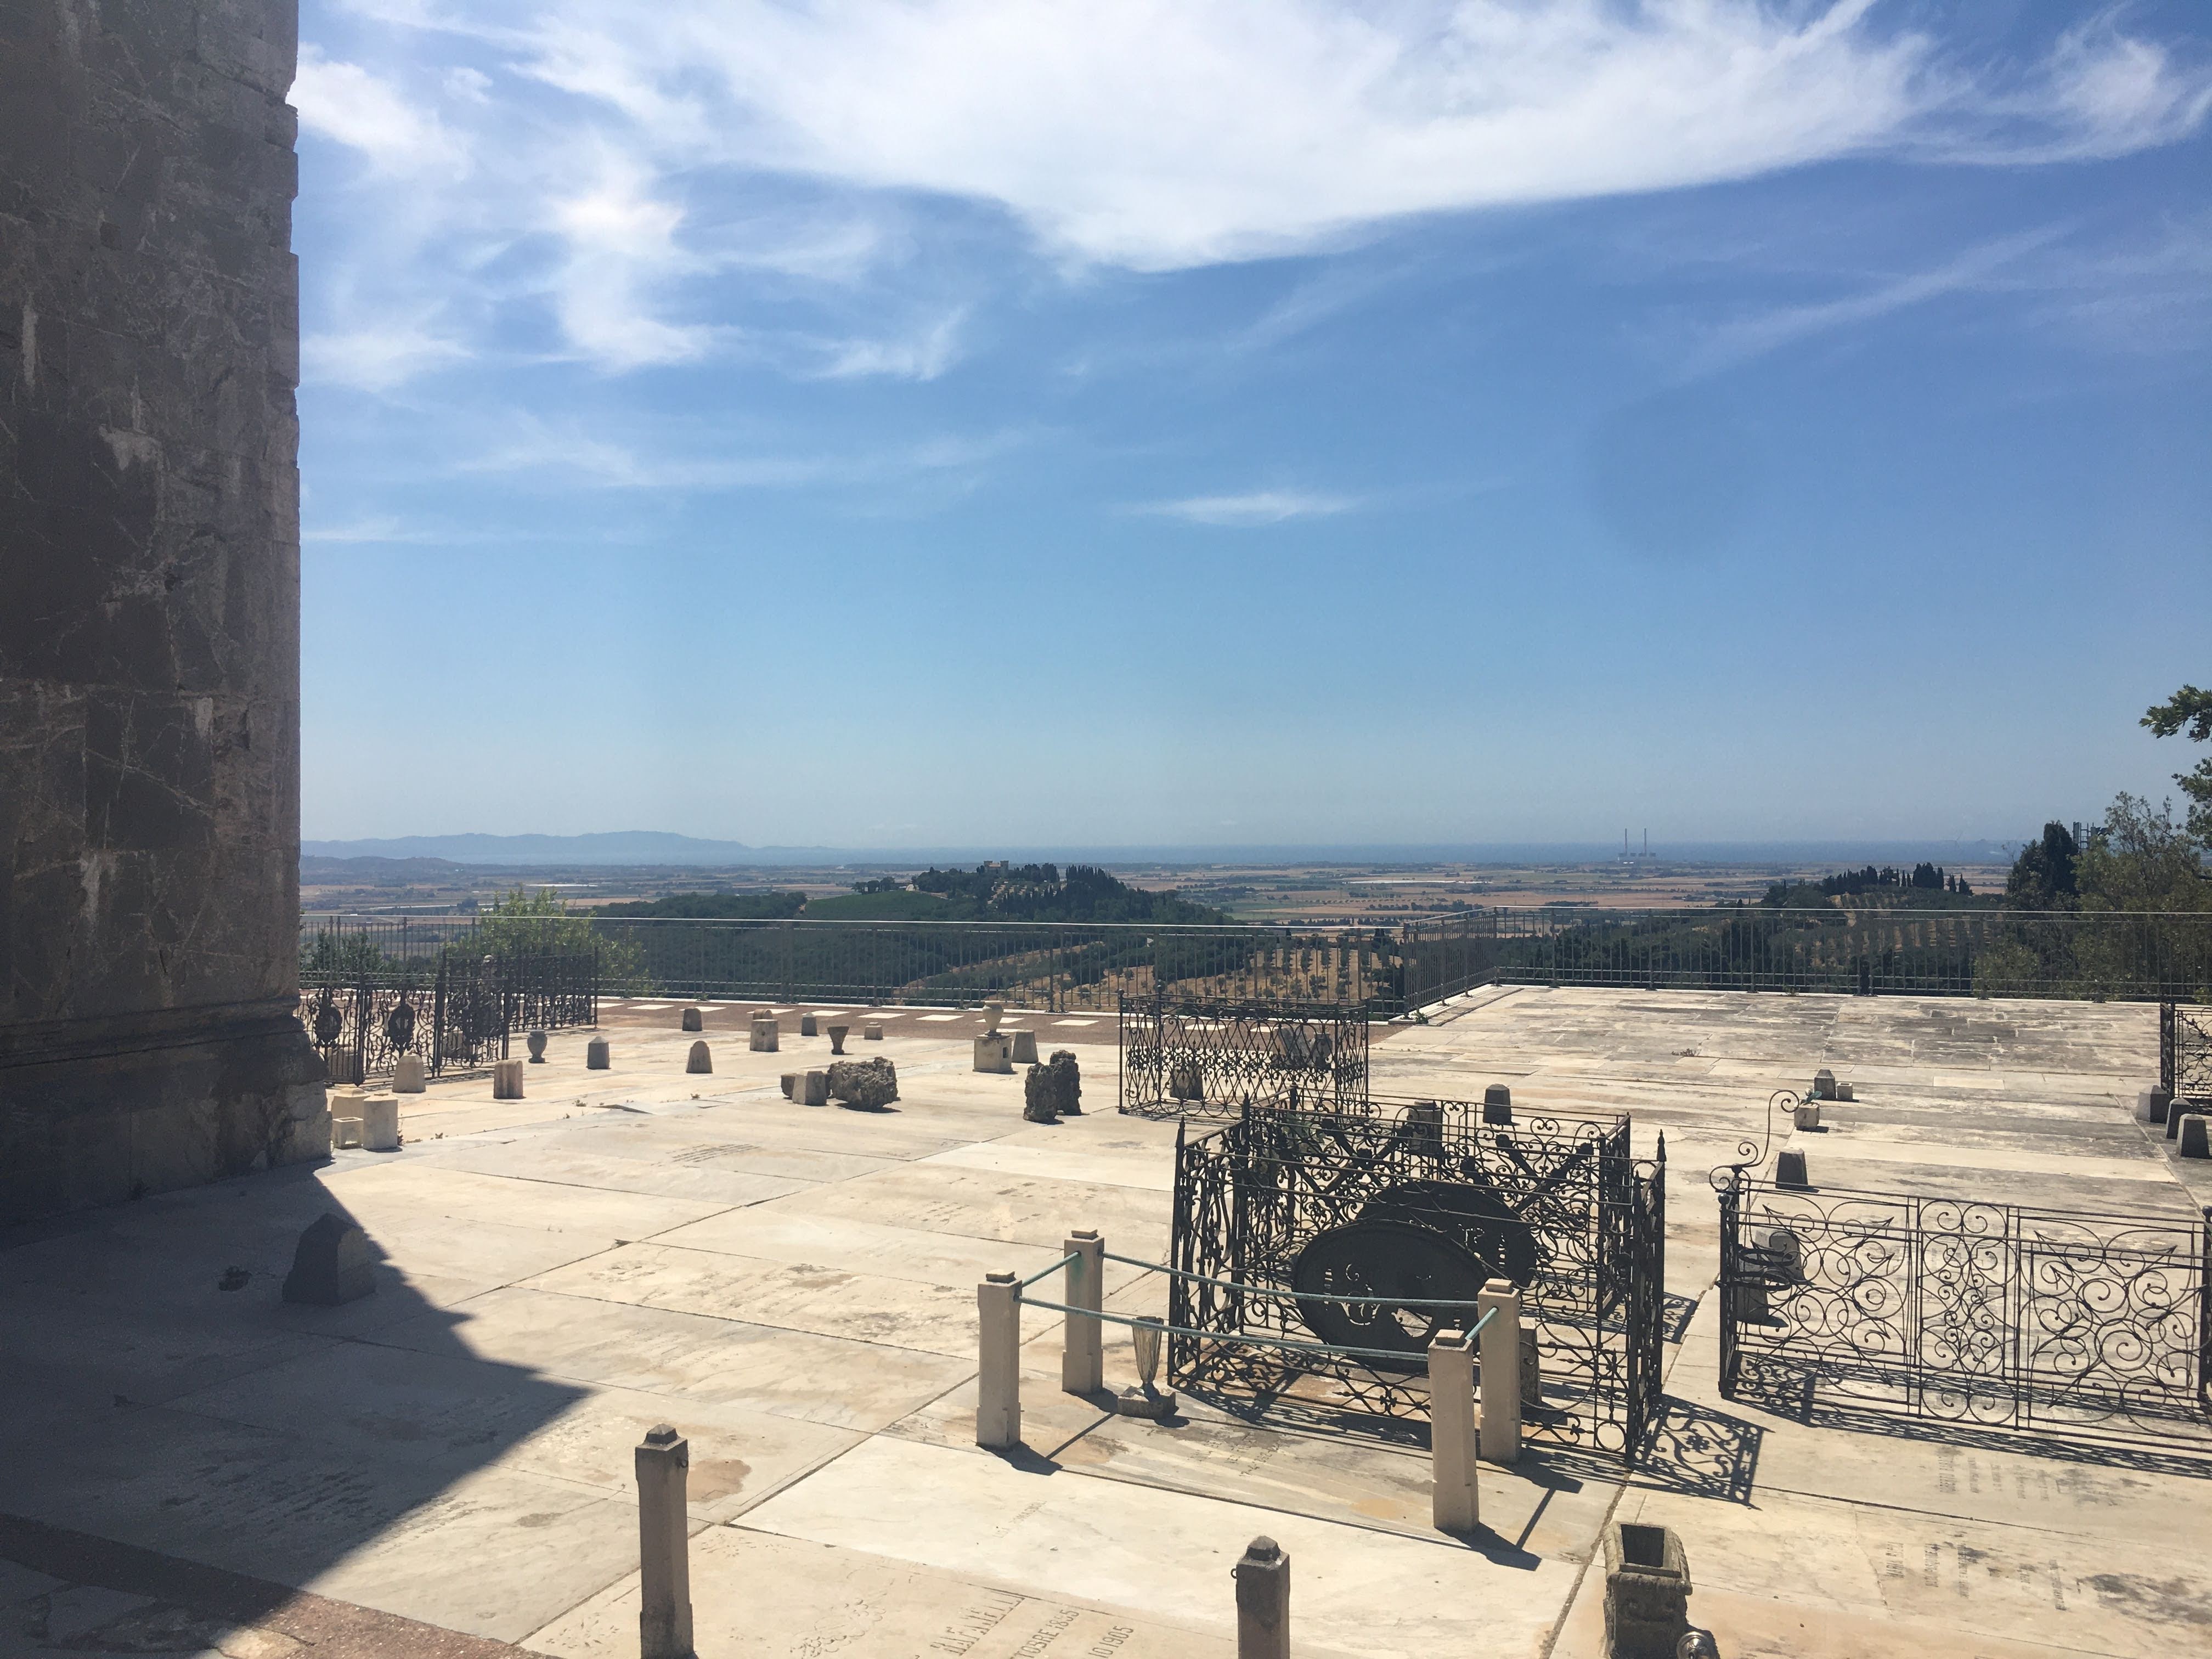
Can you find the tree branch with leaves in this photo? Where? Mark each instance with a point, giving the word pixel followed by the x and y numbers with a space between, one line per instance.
pixel 2189 712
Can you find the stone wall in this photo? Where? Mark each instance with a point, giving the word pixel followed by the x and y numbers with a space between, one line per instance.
pixel 148 600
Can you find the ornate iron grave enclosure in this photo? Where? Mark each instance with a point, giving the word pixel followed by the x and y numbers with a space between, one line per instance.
pixel 2184 1052
pixel 1393 1202
pixel 458 1013
pixel 1982 1313
pixel 1189 1055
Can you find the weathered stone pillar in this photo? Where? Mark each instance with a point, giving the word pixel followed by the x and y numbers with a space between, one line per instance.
pixel 150 648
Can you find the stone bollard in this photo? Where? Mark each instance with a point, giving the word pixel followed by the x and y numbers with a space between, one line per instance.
pixel 1455 1505
pixel 993 1053
pixel 344 1132
pixel 506 1079
pixel 791 1085
pixel 1647 1591
pixel 1083 1352
pixel 407 1077
pixel 694 1020
pixel 1806 1116
pixel 807 1025
pixel 380 1123
pixel 1501 1370
pixel 699 1060
pixel 331 1265
pixel 2152 1103
pixel 812 1089
pixel 537 1042
pixel 872 1032
pixel 1789 1170
pixel 1263 1601
pixel 765 1033
pixel 2194 1143
pixel 598 1057
pixel 837 1038
pixel 999 1362
pixel 1066 1083
pixel 1824 1085
pixel 2174 1114
pixel 664 1545
pixel 1025 1052
pixel 1496 1103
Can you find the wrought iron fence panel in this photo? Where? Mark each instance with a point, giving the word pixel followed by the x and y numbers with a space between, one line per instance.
pixel 1984 1314
pixel 455 1011
pixel 1216 1057
pixel 1420 1200
pixel 2184 1052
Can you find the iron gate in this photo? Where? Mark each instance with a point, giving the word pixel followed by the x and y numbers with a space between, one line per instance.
pixel 2184 1052
pixel 1187 1055
pixel 1983 1314
pixel 457 1016
pixel 1422 1198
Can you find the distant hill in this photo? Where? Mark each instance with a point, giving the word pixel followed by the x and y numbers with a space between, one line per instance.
pixel 711 906
pixel 374 872
pixel 633 846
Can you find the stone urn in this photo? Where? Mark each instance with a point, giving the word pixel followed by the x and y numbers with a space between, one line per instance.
pixel 837 1038
pixel 537 1041
pixel 992 1013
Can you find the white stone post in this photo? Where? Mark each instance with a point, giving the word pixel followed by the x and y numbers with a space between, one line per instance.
pixel 1263 1601
pixel 1455 1505
pixel 1501 1370
pixel 663 1544
pixel 1083 1359
pixel 999 1363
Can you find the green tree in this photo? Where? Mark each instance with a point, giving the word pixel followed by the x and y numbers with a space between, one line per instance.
pixel 526 924
pixel 2143 862
pixel 2042 876
pixel 2189 710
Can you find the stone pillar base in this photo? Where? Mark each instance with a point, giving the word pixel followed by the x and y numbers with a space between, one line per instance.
pixel 94 1111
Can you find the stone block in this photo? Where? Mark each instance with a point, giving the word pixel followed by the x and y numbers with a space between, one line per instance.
pixel 598 1057
pixel 407 1077
pixel 1790 1169
pixel 2194 1143
pixel 699 1060
pixel 380 1123
pixel 872 1032
pixel 1496 1103
pixel 870 1085
pixel 694 1020
pixel 1025 1052
pixel 506 1079
pixel 1184 1083
pixel 345 1132
pixel 1824 1085
pixel 1532 1370
pixel 332 1264
pixel 765 1034
pixel 807 1025
pixel 993 1053
pixel 1647 1591
pixel 812 1089
pixel 1066 1083
pixel 2152 1103
pixel 1037 1096
pixel 1806 1114
pixel 1844 1091
pixel 790 1082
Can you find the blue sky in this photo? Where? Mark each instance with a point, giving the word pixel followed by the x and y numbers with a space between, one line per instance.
pixel 1181 423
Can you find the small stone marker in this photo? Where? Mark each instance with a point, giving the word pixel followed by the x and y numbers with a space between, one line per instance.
pixel 869 1085
pixel 694 1020
pixel 999 1362
pixel 1455 1505
pixel 407 1075
pixel 537 1042
pixel 790 1080
pixel 2194 1140
pixel 837 1038
pixel 812 1089
pixel 1037 1096
pixel 1806 1114
pixel 1824 1085
pixel 345 1131
pixel 993 1054
pixel 506 1079
pixel 1185 1083
pixel 1496 1103
pixel 807 1025
pixel 872 1032
pixel 379 1122
pixel 332 1264
pixel 1024 1048
pixel 1647 1591
pixel 1790 1169
pixel 664 1545
pixel 2174 1114
pixel 1066 1083
pixel 1532 1369
pixel 2152 1103
pixel 764 1034
pixel 700 1059
pixel 1263 1601
pixel 598 1057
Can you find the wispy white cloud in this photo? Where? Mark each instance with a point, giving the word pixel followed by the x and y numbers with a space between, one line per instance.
pixel 569 457
pixel 369 114
pixel 921 356
pixel 1255 508
pixel 380 357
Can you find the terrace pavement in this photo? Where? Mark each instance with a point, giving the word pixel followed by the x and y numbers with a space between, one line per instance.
pixel 793 1288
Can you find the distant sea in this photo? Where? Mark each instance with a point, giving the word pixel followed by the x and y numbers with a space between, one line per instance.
pixel 644 847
